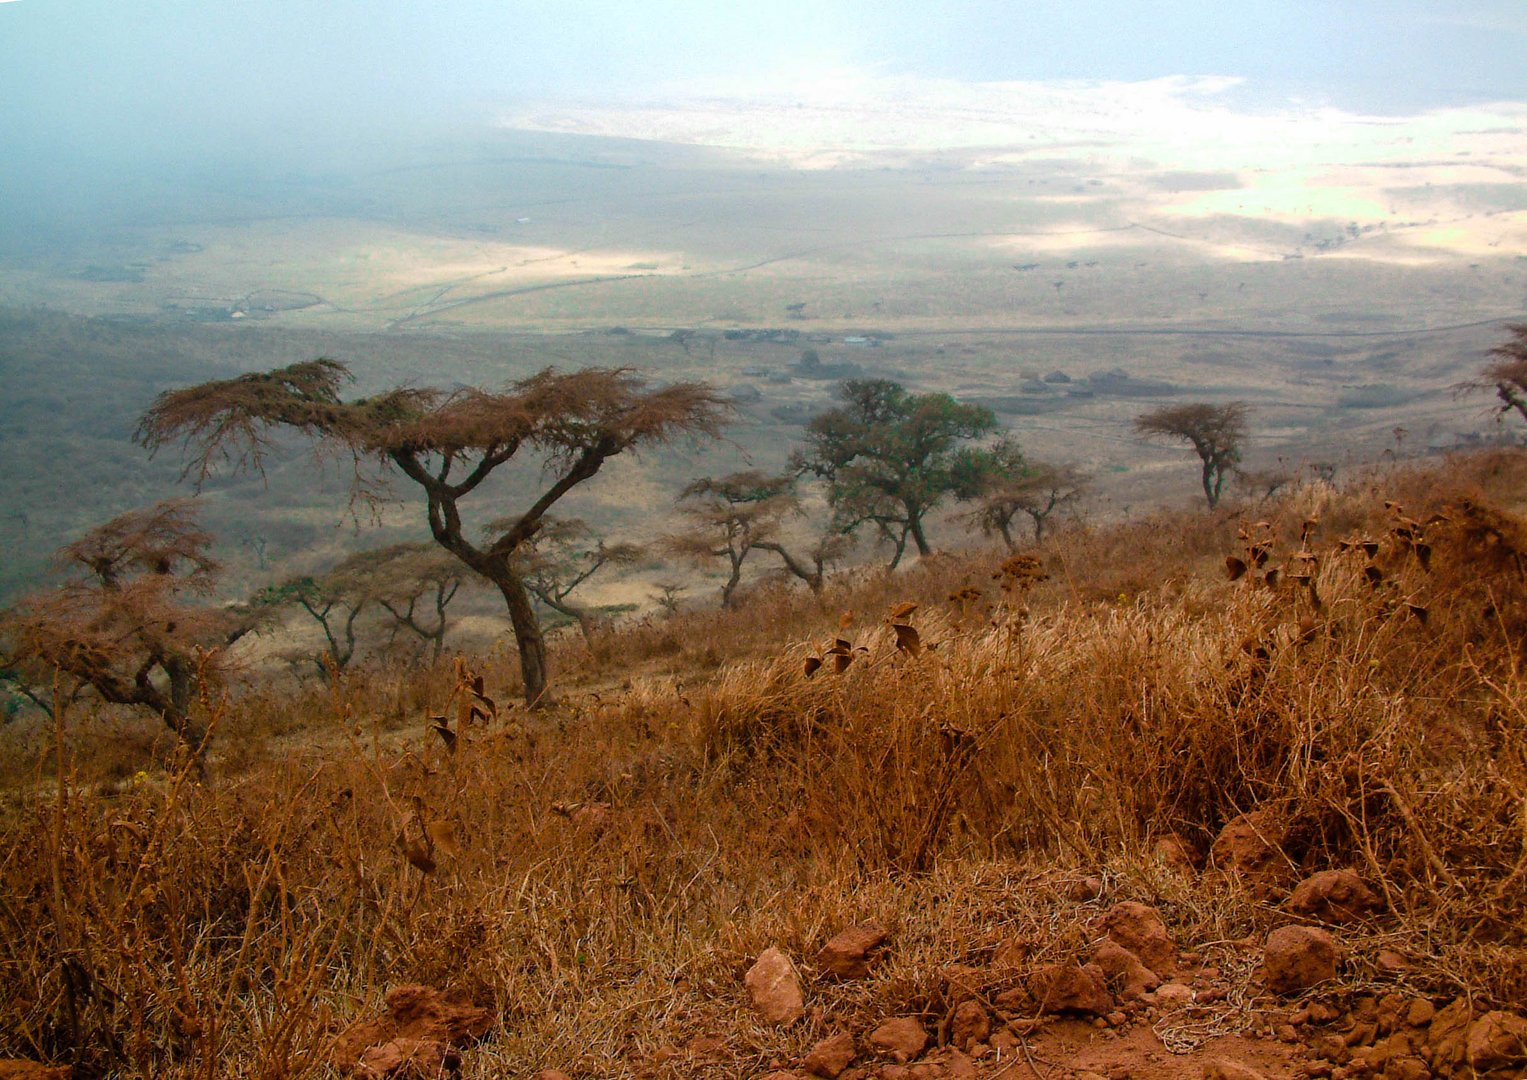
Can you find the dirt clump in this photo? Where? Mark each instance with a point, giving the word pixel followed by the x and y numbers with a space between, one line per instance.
pixel 1071 988
pixel 420 1025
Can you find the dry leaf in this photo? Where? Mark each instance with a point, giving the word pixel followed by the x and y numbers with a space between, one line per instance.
pixel 902 611
pixel 907 638
pixel 1234 567
pixel 442 835
pixel 447 736
pixel 841 660
pixel 417 853
pixel 811 665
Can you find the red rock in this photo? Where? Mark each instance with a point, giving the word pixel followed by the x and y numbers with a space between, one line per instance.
pixel 19 1069
pixel 1175 853
pixel 409 1059
pixel 1420 1013
pixel 1071 988
pixel 1085 889
pixel 1173 995
pixel 831 1056
pixel 1125 972
pixel 1250 845
pixel 1140 930
pixel 970 1025
pixel 901 1039
pixel 850 952
pixel 1447 1037
pixel 417 1013
pixel 1297 958
pixel 705 1046
pixel 1333 896
pixel 775 989
pixel 1497 1041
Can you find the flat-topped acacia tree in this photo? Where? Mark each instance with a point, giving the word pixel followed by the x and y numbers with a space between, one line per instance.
pixel 448 443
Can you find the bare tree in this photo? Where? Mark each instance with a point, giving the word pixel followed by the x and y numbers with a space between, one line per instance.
pixel 129 623
pixel 335 601
pixel 1038 492
pixel 1215 432
pixel 563 555
pixel 448 444
pixel 1507 376
pixel 810 564
pixel 728 517
pixel 404 575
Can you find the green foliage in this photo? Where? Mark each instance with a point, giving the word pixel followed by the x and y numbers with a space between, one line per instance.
pixel 890 456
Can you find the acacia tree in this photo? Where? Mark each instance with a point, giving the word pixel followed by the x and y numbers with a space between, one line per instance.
pixel 730 516
pixel 334 600
pixel 1507 376
pixel 1215 432
pixel 1038 492
pixel 561 556
pixel 403 576
pixel 810 564
pixel 888 457
pixel 446 443
pixel 126 624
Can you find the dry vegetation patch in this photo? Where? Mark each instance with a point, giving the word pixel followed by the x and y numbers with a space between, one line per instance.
pixel 1067 732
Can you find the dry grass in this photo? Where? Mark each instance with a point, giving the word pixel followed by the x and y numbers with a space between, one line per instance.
pixel 604 871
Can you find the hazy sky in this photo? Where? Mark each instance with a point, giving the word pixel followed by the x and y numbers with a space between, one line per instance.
pixel 174 79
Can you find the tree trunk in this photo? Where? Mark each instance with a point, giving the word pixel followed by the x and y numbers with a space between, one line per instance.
pixel 915 526
pixel 1211 489
pixel 901 548
pixel 732 582
pixel 527 636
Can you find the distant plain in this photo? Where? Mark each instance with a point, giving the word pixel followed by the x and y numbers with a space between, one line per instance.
pixel 1340 273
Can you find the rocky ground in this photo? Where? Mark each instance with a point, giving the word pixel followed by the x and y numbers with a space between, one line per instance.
pixel 1138 1007
pixel 1135 1005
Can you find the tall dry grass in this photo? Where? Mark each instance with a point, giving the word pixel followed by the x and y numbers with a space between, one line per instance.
pixel 600 874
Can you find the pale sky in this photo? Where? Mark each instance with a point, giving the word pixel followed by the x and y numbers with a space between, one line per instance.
pixel 104 80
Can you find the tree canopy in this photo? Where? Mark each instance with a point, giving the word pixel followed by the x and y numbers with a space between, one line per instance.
pixel 1216 433
pixel 888 456
pixel 1506 377
pixel 448 443
pixel 130 621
